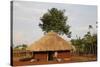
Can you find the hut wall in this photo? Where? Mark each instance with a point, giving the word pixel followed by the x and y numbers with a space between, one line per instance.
pixel 63 54
pixel 40 56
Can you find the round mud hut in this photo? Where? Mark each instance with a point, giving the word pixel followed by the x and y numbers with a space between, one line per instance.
pixel 51 47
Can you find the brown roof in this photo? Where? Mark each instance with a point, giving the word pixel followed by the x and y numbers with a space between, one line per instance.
pixel 50 42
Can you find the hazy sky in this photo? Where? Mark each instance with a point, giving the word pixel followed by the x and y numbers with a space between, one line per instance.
pixel 26 17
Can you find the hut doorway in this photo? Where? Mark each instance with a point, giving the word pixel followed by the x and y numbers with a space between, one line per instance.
pixel 50 55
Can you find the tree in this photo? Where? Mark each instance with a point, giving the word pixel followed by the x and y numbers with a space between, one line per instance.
pixel 95 43
pixel 55 20
pixel 90 28
pixel 93 39
pixel 88 42
pixel 91 43
pixel 24 47
pixel 21 47
pixel 78 43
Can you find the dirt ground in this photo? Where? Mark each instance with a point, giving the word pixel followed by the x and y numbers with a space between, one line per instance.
pixel 71 60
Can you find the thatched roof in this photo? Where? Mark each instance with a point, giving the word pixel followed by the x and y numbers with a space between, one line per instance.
pixel 50 42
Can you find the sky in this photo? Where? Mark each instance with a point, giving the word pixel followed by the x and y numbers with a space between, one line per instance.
pixel 26 17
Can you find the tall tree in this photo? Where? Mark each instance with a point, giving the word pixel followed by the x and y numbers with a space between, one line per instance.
pixel 55 20
pixel 88 42
pixel 90 28
pixel 95 43
pixel 91 42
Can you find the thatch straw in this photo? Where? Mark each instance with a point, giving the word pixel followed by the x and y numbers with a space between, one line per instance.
pixel 50 42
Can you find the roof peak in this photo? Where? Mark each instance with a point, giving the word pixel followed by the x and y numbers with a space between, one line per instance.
pixel 51 33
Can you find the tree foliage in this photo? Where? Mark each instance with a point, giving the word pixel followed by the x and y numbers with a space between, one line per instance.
pixel 55 20
pixel 21 47
pixel 86 44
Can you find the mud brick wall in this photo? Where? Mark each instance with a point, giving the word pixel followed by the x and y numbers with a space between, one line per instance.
pixel 40 56
pixel 63 54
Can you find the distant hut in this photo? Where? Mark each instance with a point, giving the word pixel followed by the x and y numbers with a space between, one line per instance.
pixel 51 46
pixel 21 53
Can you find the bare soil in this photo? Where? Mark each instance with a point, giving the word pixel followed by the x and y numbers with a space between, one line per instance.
pixel 72 60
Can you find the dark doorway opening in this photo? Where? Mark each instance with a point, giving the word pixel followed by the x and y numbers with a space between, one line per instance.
pixel 50 55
